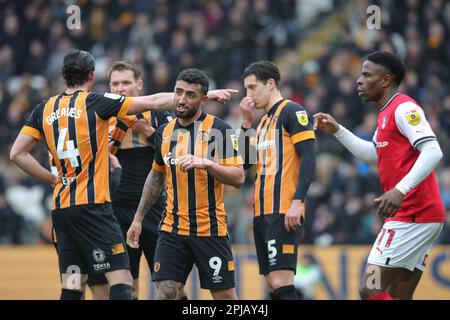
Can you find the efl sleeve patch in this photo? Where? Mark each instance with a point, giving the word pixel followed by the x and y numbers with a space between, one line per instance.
pixel 413 117
pixel 302 117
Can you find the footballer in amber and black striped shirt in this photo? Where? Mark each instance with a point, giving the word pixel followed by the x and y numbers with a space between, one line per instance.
pixel 285 165
pixel 195 155
pixel 74 126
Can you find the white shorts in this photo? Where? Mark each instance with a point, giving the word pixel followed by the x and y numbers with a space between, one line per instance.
pixel 404 245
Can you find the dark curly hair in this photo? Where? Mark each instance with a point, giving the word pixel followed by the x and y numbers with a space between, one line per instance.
pixel 195 76
pixel 391 62
pixel 77 66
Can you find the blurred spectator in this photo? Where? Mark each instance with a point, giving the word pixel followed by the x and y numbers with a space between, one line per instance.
pixel 10 223
pixel 307 277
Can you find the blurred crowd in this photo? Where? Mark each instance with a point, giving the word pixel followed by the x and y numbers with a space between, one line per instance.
pixel 222 37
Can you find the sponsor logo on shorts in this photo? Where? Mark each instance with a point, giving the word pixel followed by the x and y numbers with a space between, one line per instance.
pixel 380 251
pixel 102 266
pixel 98 255
pixel 217 279
pixel 272 261
pixel 156 266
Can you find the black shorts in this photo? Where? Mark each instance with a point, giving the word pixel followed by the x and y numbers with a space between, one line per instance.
pixel 175 256
pixel 89 240
pixel 276 248
pixel 147 239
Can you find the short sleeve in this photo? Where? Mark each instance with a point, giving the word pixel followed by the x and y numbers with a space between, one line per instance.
pixel 162 118
pixel 109 105
pixel 411 122
pixel 33 126
pixel 297 122
pixel 158 161
pixel 227 151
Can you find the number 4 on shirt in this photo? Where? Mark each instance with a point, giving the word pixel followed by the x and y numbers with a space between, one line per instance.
pixel 71 152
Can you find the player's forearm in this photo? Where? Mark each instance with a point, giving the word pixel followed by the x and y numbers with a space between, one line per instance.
pixel 230 175
pixel 148 131
pixel 150 193
pixel 30 165
pixel 362 149
pixel 430 154
pixel 156 102
pixel 307 150
pixel 248 151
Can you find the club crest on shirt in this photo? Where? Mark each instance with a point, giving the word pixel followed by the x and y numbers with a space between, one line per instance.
pixel 383 124
pixel 302 117
pixel 413 117
pixel 234 141
pixel 202 136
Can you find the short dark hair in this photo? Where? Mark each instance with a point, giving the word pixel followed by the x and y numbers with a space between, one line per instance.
pixel 391 62
pixel 77 66
pixel 195 76
pixel 125 65
pixel 263 71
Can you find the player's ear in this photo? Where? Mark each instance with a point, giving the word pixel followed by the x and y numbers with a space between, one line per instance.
pixel 91 77
pixel 271 83
pixel 140 84
pixel 204 99
pixel 388 80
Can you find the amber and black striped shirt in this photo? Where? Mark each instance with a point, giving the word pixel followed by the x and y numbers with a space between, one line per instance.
pixel 125 138
pixel 278 163
pixel 135 153
pixel 194 198
pixel 75 129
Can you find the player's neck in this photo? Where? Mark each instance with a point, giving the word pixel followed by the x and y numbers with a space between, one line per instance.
pixel 71 90
pixel 273 100
pixel 381 103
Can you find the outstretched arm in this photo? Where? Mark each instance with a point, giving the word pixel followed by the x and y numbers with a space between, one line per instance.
pixel 155 102
pixel 362 149
pixel 164 101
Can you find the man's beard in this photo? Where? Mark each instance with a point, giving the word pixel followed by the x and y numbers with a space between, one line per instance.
pixel 186 115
